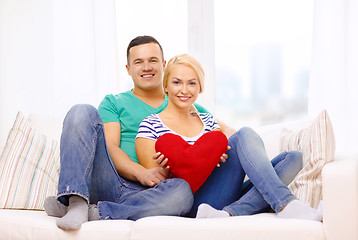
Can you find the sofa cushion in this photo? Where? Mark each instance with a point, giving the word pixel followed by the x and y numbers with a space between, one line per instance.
pixel 271 136
pixel 47 125
pixel 29 224
pixel 29 167
pixel 317 144
pixel 260 226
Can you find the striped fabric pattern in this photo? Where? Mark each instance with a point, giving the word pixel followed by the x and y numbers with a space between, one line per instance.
pixel 317 144
pixel 29 167
pixel 152 127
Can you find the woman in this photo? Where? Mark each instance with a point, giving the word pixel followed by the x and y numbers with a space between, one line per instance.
pixel 183 81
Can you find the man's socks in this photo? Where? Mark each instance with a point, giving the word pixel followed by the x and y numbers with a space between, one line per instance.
pixel 297 209
pixel 93 214
pixel 54 208
pixel 77 213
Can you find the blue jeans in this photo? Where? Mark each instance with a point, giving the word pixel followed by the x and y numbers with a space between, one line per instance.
pixel 267 186
pixel 87 170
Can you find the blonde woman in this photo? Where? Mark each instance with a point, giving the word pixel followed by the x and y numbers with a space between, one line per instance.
pixel 223 193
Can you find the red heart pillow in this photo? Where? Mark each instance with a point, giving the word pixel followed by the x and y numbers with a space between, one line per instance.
pixel 193 163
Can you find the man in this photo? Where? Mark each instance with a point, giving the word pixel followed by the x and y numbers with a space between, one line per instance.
pixel 98 160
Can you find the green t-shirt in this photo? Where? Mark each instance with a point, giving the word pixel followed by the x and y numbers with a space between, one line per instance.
pixel 130 111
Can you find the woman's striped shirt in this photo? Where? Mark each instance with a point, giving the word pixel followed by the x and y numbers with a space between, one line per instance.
pixel 152 127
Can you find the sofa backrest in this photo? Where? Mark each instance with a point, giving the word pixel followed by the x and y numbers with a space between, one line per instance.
pixel 271 134
pixel 47 125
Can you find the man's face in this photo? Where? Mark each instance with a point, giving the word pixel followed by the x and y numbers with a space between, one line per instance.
pixel 146 66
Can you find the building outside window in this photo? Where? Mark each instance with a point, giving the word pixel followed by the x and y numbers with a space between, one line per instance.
pixel 262 60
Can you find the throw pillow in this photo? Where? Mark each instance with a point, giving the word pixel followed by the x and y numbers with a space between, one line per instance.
pixel 193 163
pixel 29 167
pixel 317 144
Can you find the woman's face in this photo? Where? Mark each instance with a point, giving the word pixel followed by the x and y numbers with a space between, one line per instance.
pixel 183 86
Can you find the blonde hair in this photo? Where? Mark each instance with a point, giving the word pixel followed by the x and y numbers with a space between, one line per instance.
pixel 188 61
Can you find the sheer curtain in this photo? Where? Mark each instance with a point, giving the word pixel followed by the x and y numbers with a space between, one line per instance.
pixel 54 54
pixel 85 62
pixel 334 73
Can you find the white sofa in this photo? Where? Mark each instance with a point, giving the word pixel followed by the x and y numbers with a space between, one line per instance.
pixel 340 212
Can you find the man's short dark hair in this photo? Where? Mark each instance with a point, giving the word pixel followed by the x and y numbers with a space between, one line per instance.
pixel 143 40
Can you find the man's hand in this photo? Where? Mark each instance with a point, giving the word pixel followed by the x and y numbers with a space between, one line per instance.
pixel 153 176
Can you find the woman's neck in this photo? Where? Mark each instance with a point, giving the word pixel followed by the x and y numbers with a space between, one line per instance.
pixel 173 112
pixel 181 120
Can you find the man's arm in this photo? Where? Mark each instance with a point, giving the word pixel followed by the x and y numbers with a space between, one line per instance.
pixel 226 129
pixel 124 165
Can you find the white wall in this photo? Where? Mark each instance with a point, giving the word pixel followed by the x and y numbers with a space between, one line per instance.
pixel 26 59
pixel 334 75
pixel 54 54
pixel 57 53
pixel 201 36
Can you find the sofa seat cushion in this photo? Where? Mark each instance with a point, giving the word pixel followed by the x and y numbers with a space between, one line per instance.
pixel 260 226
pixel 30 224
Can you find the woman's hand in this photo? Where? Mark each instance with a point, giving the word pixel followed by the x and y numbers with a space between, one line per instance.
pixel 160 159
pixel 154 171
pixel 224 157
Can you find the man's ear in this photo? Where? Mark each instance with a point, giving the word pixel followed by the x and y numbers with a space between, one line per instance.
pixel 127 67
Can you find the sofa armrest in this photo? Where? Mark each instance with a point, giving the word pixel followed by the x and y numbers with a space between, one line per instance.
pixel 340 199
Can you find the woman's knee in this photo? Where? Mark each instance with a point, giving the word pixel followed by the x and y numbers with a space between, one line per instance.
pixel 245 136
pixel 243 132
pixel 296 157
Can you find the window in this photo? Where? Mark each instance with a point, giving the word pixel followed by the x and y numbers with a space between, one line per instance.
pixel 164 20
pixel 256 53
pixel 262 60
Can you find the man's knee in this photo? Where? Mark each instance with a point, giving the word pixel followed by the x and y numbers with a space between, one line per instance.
pixel 81 114
pixel 79 111
pixel 179 197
